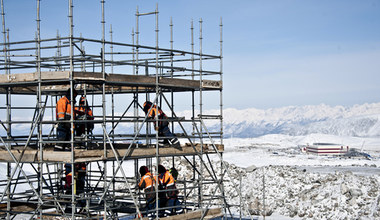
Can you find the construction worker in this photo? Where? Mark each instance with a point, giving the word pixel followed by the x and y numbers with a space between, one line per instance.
pixel 167 181
pixel 63 113
pixel 68 184
pixel 147 183
pixel 80 171
pixel 80 179
pixel 68 178
pixel 83 112
pixel 166 137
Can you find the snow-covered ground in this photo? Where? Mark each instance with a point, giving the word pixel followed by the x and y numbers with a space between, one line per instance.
pixel 284 150
pixel 304 186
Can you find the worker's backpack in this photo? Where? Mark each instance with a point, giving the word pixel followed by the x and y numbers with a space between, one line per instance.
pixel 174 172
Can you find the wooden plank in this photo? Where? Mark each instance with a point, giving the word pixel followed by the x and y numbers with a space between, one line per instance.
pixel 212 213
pixel 20 77
pixel 133 79
pixel 88 76
pixel 215 212
pixel 81 155
pixel 51 75
pixel 120 82
pixel 31 77
pixel 212 84
pixel 179 82
pixel 121 78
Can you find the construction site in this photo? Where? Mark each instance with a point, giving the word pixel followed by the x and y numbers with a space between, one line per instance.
pixel 110 76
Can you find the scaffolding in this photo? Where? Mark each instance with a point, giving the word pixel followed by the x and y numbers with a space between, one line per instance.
pixel 111 75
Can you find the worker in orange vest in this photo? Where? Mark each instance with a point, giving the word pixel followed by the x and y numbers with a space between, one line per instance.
pixel 147 183
pixel 83 112
pixel 167 181
pixel 166 137
pixel 63 113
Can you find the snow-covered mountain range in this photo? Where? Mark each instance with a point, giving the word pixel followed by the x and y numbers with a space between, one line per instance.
pixel 358 121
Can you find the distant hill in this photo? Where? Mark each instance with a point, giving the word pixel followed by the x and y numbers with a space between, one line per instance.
pixel 358 120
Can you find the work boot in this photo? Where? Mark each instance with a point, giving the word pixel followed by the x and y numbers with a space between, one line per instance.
pixel 175 142
pixel 179 211
pixel 59 148
pixel 161 143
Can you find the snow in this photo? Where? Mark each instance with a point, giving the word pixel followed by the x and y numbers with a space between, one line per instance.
pixel 284 150
pixel 303 186
pixel 358 120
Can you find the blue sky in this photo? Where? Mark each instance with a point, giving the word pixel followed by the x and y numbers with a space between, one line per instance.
pixel 276 52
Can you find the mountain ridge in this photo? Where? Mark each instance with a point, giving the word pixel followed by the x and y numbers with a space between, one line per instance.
pixel 358 120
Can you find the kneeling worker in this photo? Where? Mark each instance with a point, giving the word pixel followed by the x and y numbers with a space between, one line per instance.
pixel 167 181
pixel 147 183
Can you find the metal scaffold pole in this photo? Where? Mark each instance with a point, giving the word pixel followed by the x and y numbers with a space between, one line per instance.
pixel 158 93
pixel 201 111
pixel 104 102
pixel 71 73
pixel 39 104
pixel 8 104
pixel 221 103
pixel 38 183
pixel 136 58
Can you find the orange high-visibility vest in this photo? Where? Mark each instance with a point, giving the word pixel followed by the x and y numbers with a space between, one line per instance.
pixel 147 183
pixel 83 108
pixel 168 182
pixel 167 179
pixel 63 109
pixel 153 112
pixel 156 111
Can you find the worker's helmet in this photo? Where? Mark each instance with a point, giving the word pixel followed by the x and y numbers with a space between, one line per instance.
pixel 67 167
pixel 147 106
pixel 174 172
pixel 80 166
pixel 143 170
pixel 83 101
pixel 68 93
pixel 161 169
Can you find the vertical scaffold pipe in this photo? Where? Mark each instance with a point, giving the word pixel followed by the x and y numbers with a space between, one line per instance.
pixel 39 106
pixel 157 95
pixel 137 42
pixel 240 197
pixel 111 47
pixel 58 53
pixel 5 39
pixel 7 104
pixel 112 110
pixel 171 70
pixel 264 206
pixel 221 103
pixel 192 77
pixel 133 51
pixel 201 109
pixel 72 106
pixel 104 102
pixel 221 80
